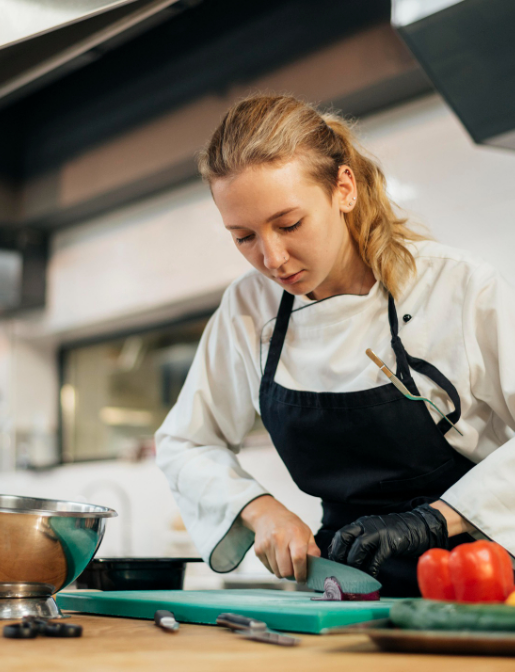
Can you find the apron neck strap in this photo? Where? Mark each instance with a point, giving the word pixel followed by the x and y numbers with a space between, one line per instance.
pixel 403 372
pixel 277 341
pixel 281 327
pixel 405 360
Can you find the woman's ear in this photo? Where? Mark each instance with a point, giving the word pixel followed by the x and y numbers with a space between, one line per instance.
pixel 346 191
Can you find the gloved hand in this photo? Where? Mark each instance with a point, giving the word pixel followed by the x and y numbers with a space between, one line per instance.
pixel 370 540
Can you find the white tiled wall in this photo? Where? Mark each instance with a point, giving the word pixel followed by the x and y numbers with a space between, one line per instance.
pixel 172 248
pixel 149 255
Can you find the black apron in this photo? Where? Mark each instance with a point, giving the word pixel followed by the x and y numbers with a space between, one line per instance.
pixel 363 453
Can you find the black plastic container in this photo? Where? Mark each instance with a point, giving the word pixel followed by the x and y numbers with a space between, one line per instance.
pixel 135 573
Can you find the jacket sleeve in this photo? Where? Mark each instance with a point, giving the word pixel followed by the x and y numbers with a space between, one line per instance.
pixel 485 496
pixel 199 439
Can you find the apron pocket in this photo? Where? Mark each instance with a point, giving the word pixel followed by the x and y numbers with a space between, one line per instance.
pixel 416 483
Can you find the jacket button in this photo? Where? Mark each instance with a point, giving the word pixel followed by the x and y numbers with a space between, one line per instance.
pixel 406 318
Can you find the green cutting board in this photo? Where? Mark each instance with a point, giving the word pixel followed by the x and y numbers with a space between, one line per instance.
pixel 281 610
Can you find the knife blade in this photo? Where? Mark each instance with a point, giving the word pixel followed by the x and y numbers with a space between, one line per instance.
pixel 269 637
pixel 351 580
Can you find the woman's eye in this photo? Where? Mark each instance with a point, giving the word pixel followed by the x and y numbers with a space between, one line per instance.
pixel 289 229
pixel 243 240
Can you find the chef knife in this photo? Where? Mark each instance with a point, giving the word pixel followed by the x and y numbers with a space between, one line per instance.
pixel 166 620
pixel 250 628
pixel 351 580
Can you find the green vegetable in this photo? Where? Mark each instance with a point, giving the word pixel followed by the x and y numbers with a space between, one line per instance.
pixel 433 615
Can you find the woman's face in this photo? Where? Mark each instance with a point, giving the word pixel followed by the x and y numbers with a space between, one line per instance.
pixel 287 227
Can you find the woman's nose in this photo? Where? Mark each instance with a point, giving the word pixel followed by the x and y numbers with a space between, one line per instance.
pixel 274 255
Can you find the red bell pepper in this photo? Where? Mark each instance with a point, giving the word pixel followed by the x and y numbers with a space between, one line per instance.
pixel 477 572
pixel 434 576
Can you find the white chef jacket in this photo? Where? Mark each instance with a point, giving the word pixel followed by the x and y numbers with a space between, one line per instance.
pixel 463 322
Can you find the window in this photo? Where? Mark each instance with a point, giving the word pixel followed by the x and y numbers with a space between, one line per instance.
pixel 116 393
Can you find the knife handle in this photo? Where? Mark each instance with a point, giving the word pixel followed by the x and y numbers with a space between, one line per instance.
pixel 238 622
pixel 163 615
pixel 160 614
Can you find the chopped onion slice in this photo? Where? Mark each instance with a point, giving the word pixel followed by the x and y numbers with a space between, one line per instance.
pixel 333 593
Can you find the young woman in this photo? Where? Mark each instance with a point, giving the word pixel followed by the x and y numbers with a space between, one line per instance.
pixel 337 272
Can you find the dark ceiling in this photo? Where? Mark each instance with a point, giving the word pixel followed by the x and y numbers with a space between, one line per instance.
pixel 204 49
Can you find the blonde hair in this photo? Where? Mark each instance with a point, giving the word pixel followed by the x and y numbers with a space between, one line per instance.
pixel 265 129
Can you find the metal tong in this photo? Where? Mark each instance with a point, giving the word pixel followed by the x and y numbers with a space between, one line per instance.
pixel 31 627
pixel 402 388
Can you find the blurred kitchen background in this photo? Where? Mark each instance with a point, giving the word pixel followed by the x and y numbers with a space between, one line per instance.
pixel 112 253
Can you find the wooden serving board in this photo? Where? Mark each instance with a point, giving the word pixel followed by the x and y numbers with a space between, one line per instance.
pixel 281 610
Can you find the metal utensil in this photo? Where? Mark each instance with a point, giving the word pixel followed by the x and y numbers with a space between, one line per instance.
pixel 402 388
pixel 269 637
pixel 44 545
pixel 31 627
pixel 238 622
pixel 351 579
pixel 257 631
pixel 166 620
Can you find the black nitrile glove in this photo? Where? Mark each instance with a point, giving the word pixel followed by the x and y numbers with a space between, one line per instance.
pixel 370 540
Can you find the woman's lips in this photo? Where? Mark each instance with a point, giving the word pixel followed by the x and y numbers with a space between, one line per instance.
pixel 290 279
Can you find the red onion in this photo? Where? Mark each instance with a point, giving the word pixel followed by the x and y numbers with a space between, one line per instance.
pixel 334 593
pixel 361 597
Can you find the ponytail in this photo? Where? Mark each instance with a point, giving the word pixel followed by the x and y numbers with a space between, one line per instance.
pixel 273 129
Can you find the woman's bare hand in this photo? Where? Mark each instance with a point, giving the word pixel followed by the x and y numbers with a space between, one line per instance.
pixel 282 541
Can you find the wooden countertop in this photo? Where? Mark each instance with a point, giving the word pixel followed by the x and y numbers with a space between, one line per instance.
pixel 117 644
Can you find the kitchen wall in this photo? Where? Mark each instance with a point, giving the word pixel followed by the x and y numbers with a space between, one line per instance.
pixel 170 254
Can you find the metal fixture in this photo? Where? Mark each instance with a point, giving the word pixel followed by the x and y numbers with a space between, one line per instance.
pixel 50 50
pixel 45 544
pixel 467 50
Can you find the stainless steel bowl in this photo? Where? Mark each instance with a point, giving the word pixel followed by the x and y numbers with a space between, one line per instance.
pixel 44 545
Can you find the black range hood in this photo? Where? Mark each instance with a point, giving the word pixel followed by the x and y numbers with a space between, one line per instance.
pixel 30 62
pixel 467 49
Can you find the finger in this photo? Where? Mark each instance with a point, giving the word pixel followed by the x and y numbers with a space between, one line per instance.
pixel 363 550
pixel 264 560
pixel 272 561
pixel 299 558
pixel 373 566
pixel 376 560
pixel 342 542
pixel 284 563
pixel 313 549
